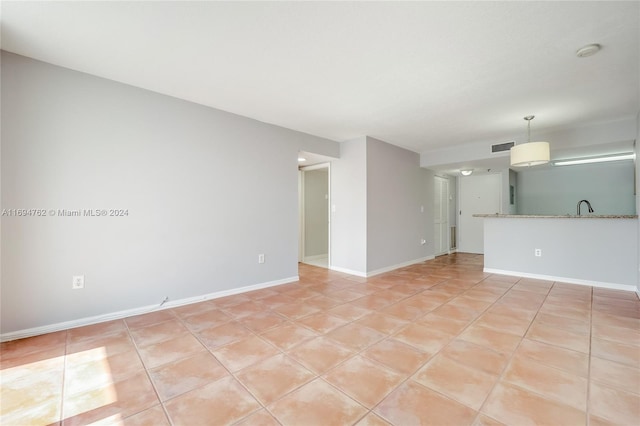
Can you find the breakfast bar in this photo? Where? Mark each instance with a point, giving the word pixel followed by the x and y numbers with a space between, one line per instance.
pixel 597 250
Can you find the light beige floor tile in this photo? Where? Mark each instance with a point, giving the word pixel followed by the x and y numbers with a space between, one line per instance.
pixel 363 380
pixel 413 404
pixel 222 402
pixel 317 403
pixel 424 344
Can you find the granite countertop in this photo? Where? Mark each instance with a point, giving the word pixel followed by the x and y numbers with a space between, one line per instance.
pixel 566 216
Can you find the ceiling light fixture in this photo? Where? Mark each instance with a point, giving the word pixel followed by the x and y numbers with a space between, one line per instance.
pixel 466 172
pixel 530 153
pixel 606 159
pixel 588 50
pixel 301 159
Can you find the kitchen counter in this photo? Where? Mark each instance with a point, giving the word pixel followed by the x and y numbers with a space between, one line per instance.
pixel 566 216
pixel 564 248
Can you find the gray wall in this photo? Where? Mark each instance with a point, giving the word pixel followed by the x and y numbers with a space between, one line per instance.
pixel 556 190
pixel 396 189
pixel 637 186
pixel 349 196
pixel 206 192
pixel 377 190
pixel 316 223
pixel 602 251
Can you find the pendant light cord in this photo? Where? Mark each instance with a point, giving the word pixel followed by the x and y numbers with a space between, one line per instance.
pixel 529 118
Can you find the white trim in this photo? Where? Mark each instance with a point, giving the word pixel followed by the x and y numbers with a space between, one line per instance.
pixel 300 216
pixel 398 266
pixel 348 271
pixel 446 215
pixel 329 214
pixel 381 270
pixel 303 216
pixel 318 166
pixel 137 311
pixel 600 284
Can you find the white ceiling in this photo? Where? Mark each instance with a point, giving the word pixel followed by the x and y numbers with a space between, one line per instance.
pixel 422 75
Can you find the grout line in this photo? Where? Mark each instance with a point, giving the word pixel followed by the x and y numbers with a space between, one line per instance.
pixel 64 375
pixel 588 410
pixel 281 352
pixel 513 352
pixel 411 376
pixel 229 372
pixel 478 411
pixel 355 353
pixel 146 370
pixel 402 277
pixel 414 321
pixel 548 398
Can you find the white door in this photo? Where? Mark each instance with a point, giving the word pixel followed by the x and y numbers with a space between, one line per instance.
pixel 479 194
pixel 441 216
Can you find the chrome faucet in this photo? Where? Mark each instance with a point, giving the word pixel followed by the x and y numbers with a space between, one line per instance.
pixel 588 205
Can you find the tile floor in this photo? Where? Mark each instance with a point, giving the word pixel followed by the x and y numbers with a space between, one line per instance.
pixel 323 262
pixel 437 343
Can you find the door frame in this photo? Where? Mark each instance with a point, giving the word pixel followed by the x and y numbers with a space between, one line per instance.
pixel 302 237
pixel 447 233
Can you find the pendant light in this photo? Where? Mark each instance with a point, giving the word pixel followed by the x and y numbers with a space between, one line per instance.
pixel 530 153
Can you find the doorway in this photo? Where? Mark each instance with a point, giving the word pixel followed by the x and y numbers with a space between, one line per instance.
pixel 314 243
pixel 479 194
pixel 441 216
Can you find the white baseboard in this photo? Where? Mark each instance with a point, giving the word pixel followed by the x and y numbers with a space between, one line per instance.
pixel 29 332
pixel 381 270
pixel 398 266
pixel 315 257
pixel 348 271
pixel 600 284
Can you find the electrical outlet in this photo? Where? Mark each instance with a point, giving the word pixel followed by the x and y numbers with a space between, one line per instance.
pixel 261 258
pixel 78 282
pixel 538 252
